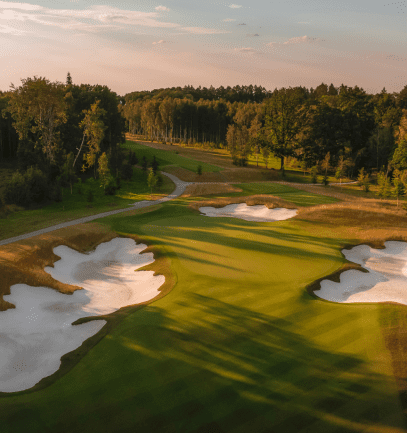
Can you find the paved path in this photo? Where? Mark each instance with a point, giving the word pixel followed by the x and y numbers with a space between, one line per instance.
pixel 180 188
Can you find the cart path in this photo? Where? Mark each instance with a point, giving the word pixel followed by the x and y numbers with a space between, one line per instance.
pixel 179 190
pixel 180 187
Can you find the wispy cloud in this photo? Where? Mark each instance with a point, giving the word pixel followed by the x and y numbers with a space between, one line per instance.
pixel 302 40
pixel 203 30
pixel 297 40
pixel 228 19
pixel 10 30
pixel 160 42
pixel 16 5
pixel 92 19
pixel 161 8
pixel 233 6
pixel 246 50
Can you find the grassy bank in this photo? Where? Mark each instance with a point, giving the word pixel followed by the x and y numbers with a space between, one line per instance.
pixel 75 206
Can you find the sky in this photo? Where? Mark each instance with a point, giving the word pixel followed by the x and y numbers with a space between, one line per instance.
pixel 135 45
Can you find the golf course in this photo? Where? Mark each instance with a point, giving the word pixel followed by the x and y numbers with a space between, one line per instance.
pixel 236 340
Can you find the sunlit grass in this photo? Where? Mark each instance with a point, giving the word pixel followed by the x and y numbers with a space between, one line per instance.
pixel 168 157
pixel 75 206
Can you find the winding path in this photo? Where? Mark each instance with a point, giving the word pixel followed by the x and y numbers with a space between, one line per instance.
pixel 180 188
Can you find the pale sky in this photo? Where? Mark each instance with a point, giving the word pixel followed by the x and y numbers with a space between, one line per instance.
pixel 134 45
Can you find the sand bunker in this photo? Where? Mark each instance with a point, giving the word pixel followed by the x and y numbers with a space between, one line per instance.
pixel 250 213
pixel 385 282
pixel 35 334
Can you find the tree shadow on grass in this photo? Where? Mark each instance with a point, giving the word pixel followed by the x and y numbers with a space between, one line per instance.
pixel 229 369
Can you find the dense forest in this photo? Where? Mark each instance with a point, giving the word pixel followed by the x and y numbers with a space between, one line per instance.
pixel 56 131
pixel 354 129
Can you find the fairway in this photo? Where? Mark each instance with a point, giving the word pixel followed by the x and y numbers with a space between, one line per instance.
pixel 168 157
pixel 238 345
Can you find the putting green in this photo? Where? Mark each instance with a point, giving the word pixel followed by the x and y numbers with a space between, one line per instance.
pixel 238 345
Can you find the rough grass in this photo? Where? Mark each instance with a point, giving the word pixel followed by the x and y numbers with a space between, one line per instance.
pixel 168 157
pixel 197 190
pixel 75 206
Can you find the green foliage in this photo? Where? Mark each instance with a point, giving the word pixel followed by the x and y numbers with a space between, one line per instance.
pixel 199 169
pixel 160 181
pixel 93 133
pixel 104 171
pixel 89 196
pixel 154 165
pixel 314 174
pixel 399 188
pixel 111 186
pixel 325 180
pixel 151 180
pixel 399 160
pixel 38 109
pixel 79 186
pixel 127 171
pixel 384 185
pixel 144 164
pixel 361 176
pixel 25 189
pixel 132 158
pixel 68 176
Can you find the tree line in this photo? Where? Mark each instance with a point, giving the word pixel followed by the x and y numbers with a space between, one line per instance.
pixel 354 129
pixel 56 131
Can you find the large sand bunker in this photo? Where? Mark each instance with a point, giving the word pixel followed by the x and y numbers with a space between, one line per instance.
pixel 35 334
pixel 386 280
pixel 250 213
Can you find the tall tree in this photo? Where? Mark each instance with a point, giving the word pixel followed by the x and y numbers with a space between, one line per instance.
pixel 286 116
pixel 93 133
pixel 38 110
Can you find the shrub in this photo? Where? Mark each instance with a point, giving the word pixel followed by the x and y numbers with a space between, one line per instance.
pixel 132 158
pixel 314 174
pixel 79 186
pixel 152 180
pixel 17 190
pixel 24 189
pixel 55 192
pixel 160 181
pixel 144 164
pixel 154 165
pixel 325 180
pixel 110 187
pixel 89 196
pixel 199 169
pixel 118 181
pixel 127 172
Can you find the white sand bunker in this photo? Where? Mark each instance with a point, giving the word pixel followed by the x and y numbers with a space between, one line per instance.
pixel 385 282
pixel 35 334
pixel 250 213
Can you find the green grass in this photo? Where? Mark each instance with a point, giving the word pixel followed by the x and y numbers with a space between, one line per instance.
pixel 298 197
pixel 76 206
pixel 168 157
pixel 237 346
